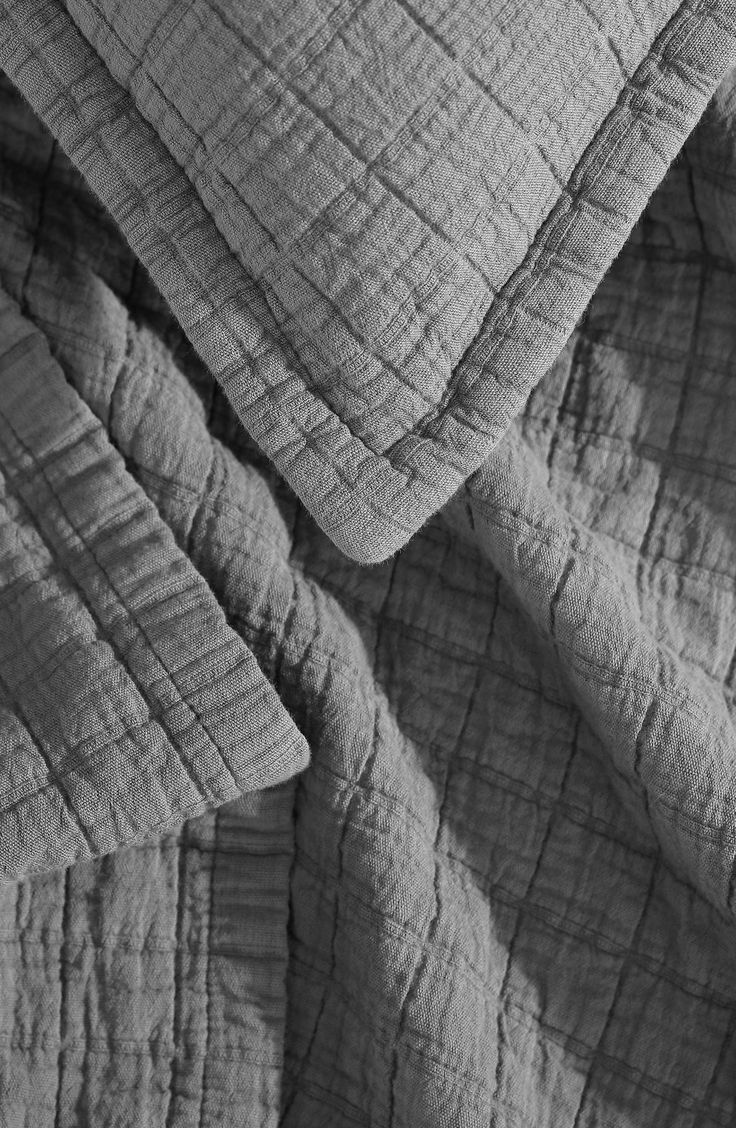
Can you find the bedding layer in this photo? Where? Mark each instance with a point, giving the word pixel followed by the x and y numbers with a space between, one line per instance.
pixel 288 840
pixel 378 221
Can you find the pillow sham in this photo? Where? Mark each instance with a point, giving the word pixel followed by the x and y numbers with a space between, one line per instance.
pixel 377 220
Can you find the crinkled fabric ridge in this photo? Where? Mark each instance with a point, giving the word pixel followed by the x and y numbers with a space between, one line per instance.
pixel 128 703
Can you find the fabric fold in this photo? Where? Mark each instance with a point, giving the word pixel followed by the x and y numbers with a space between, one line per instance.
pixel 128 703
pixel 450 916
pixel 502 891
pixel 666 728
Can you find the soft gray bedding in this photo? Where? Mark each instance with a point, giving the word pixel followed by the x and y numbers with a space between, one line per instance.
pixel 441 831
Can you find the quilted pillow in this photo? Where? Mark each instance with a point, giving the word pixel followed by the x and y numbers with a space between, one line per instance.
pixel 378 220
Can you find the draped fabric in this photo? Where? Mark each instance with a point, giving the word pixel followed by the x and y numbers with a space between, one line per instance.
pixel 295 828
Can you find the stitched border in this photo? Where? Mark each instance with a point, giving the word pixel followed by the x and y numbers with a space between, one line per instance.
pixel 283 752
pixel 368 168
pixel 366 497
pixel 541 238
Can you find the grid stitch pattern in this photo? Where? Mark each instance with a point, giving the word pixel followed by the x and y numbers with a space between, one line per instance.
pixel 375 417
pixel 493 915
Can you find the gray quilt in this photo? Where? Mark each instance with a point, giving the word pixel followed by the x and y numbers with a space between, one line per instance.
pixel 368 564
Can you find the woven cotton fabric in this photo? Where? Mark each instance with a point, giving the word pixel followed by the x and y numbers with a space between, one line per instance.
pixel 290 840
pixel 480 166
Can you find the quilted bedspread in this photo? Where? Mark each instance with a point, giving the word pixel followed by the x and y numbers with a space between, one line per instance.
pixel 368 564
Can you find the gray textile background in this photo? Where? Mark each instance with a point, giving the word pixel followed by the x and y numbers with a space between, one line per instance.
pixel 502 890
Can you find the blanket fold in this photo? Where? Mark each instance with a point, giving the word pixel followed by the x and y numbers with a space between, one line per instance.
pixel 128 702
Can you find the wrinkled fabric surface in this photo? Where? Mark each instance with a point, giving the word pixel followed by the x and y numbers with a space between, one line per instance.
pixel 378 220
pixel 286 839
